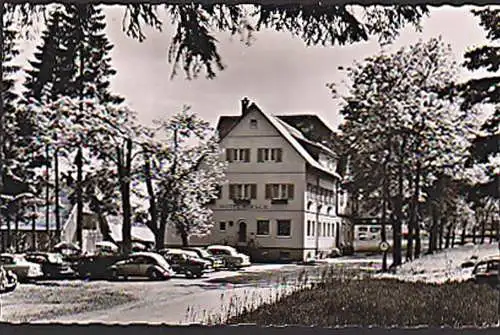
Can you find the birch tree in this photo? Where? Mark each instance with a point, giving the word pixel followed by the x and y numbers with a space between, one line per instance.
pixel 400 133
pixel 182 177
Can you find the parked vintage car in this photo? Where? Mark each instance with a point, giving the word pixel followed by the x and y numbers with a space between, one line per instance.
pixel 217 262
pixel 8 281
pixel 486 271
pixel 95 266
pixel 23 269
pixel 53 264
pixel 142 264
pixel 232 258
pixel 186 262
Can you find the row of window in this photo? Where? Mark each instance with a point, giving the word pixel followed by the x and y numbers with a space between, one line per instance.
pixel 324 194
pixel 242 155
pixel 283 227
pixel 325 229
pixel 249 191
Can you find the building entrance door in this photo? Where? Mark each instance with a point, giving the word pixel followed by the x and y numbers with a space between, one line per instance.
pixel 242 232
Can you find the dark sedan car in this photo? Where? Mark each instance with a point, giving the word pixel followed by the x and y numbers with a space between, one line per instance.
pixel 53 264
pixel 95 266
pixel 487 271
pixel 183 262
pixel 217 262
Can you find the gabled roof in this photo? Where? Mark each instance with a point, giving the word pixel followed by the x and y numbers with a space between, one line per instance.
pixel 291 134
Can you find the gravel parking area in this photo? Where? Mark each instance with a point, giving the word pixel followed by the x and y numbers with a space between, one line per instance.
pixel 175 301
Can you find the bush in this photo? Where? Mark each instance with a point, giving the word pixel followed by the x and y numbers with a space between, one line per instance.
pixel 378 302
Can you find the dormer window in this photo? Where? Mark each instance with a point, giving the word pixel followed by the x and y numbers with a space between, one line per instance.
pixel 253 124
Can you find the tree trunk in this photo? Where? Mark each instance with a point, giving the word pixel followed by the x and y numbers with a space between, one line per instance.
pixel 2 109
pixel 474 229
pixel 160 236
pixel 483 230
pixel 433 230
pixel 416 224
pixel 79 197
pixel 33 230
pixel 398 210
pixel 453 236
pixel 56 191
pixel 448 236
pixel 409 243
pixel 16 228
pixel 441 232
pixel 153 224
pixel 464 232
pixel 47 192
pixel 9 233
pixel 124 172
pixel 185 240
pixel 385 199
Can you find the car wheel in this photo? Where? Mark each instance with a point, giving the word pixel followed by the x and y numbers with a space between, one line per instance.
pixel 189 274
pixel 114 274
pixel 154 275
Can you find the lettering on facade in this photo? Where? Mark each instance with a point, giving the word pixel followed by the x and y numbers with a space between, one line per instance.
pixel 242 206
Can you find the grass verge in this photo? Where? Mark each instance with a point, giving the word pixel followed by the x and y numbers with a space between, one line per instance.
pixel 348 300
pixel 41 303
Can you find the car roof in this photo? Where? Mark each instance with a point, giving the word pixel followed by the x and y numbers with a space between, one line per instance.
pixel 146 254
pixel 225 247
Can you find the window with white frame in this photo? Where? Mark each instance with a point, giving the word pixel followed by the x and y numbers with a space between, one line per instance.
pixel 238 155
pixel 242 191
pixel 309 231
pixel 269 155
pixel 324 228
pixel 279 191
pixel 263 227
pixel 284 228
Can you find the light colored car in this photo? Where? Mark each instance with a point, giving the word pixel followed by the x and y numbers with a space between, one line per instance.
pixel 8 281
pixel 142 264
pixel 23 269
pixel 232 258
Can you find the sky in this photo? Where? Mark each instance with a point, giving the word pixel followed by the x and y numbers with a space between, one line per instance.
pixel 277 72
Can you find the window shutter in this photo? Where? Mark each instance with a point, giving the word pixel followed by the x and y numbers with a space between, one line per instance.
pixel 219 192
pixel 278 155
pixel 259 155
pixel 231 191
pixel 290 191
pixel 247 155
pixel 268 191
pixel 229 157
pixel 253 191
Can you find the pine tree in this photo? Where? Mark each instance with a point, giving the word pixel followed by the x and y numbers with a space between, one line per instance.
pixel 486 90
pixel 73 61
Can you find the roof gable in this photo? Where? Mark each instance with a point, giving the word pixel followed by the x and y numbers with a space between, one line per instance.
pixel 292 135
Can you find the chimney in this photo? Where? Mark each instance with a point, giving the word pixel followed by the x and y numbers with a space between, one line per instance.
pixel 244 105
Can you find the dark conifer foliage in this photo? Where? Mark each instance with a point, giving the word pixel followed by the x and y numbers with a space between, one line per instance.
pixel 74 38
pixel 486 90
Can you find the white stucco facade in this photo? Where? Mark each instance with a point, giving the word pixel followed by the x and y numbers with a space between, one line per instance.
pixel 290 211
